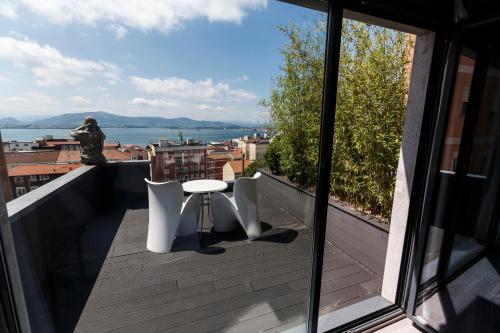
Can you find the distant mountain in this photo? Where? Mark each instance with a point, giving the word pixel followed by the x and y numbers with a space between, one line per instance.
pixel 72 120
pixel 9 121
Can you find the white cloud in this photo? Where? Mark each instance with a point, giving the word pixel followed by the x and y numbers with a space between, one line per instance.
pixel 241 94
pixel 101 88
pixel 152 102
pixel 50 66
pixel 205 107
pixel 17 99
pixel 240 78
pixel 119 30
pixel 206 90
pixel 78 100
pixel 4 79
pixel 145 15
pixel 8 9
pixel 34 98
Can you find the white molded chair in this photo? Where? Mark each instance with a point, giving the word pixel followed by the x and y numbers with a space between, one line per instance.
pixel 242 208
pixel 169 216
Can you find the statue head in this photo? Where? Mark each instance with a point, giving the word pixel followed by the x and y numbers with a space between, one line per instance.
pixel 90 123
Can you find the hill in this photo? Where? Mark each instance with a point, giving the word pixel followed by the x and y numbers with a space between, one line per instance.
pixel 72 120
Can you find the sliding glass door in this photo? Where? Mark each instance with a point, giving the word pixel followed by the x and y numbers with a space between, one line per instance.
pixel 459 266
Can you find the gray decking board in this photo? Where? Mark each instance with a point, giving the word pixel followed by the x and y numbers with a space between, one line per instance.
pixel 250 286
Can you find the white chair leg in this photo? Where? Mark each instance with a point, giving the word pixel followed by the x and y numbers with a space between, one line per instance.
pixel 223 213
pixel 190 216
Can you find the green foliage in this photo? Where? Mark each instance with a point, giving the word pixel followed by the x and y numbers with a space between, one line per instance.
pixel 251 169
pixel 273 156
pixel 295 102
pixel 371 103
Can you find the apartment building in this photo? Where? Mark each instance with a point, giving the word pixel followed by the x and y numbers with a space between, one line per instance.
pixel 254 147
pixel 20 145
pixel 26 178
pixel 178 161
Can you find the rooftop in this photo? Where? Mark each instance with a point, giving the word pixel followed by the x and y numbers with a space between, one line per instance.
pixel 31 157
pixel 91 263
pixel 237 165
pixel 72 156
pixel 42 169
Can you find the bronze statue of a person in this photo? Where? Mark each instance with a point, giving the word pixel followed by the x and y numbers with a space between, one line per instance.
pixel 91 141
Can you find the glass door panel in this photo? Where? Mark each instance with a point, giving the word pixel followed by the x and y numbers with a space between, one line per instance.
pixel 449 155
pixel 459 279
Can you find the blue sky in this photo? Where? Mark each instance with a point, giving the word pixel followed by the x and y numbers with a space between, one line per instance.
pixel 203 59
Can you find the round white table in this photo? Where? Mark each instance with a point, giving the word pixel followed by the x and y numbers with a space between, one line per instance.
pixel 204 187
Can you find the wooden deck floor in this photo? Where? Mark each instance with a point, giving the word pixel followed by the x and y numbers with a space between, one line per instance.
pixel 231 286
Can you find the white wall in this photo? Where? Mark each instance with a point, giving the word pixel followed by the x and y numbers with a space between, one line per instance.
pixel 407 157
pixel 227 172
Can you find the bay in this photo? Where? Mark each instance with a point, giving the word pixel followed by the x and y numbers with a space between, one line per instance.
pixel 139 136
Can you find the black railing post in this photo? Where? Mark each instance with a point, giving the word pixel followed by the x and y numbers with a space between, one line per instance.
pixel 332 57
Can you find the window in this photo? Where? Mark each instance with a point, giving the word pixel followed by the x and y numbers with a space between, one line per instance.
pixel 166 171
pixel 43 177
pixel 464 108
pixel 20 191
pixel 33 178
pixel 19 180
pixel 453 165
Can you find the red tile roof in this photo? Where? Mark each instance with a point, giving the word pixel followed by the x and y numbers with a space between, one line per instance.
pixel 115 155
pixel 68 156
pixel 237 165
pixel 72 156
pixel 31 157
pixel 42 169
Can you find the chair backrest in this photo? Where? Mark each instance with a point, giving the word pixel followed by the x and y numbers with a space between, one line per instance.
pixel 245 196
pixel 165 197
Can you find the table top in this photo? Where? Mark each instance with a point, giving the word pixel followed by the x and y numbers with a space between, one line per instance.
pixel 204 186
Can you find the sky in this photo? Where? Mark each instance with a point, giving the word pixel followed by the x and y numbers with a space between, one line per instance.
pixel 202 59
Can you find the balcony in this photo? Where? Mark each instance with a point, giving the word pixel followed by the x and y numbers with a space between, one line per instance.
pixel 80 243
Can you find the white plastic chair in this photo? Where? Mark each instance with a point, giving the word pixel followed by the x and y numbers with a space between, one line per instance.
pixel 169 216
pixel 242 208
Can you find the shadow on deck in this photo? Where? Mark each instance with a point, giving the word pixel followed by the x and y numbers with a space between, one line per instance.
pixel 245 286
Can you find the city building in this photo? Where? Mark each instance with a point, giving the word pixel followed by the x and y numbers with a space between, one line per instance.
pixel 136 152
pixel 20 145
pixel 215 163
pixel 177 161
pixel 232 170
pixel 253 147
pixel 26 178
